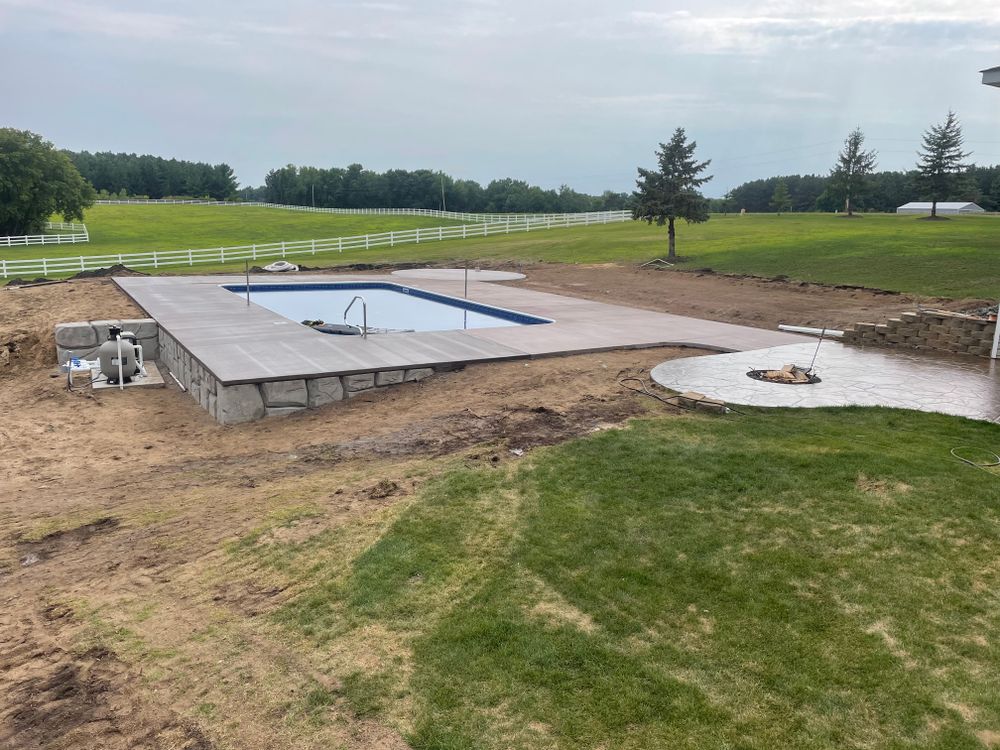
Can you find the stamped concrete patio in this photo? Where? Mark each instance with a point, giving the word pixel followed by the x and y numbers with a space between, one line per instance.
pixel 950 384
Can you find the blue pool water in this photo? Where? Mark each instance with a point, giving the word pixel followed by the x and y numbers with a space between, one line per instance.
pixel 390 306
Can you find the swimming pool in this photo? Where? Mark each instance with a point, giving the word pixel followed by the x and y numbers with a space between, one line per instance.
pixel 391 307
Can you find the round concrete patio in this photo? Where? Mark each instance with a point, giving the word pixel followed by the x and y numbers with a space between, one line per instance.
pixel 962 386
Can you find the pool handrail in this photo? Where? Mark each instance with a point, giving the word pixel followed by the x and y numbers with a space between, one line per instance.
pixel 364 314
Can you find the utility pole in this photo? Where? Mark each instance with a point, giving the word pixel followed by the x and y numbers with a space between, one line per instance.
pixel 314 194
pixel 444 206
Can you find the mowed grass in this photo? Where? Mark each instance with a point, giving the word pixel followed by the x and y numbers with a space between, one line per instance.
pixel 958 258
pixel 131 229
pixel 789 578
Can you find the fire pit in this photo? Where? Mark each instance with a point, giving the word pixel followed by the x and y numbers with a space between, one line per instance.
pixel 787 375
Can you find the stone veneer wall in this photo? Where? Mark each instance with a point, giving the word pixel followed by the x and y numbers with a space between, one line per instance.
pixel 83 338
pixel 928 329
pixel 233 404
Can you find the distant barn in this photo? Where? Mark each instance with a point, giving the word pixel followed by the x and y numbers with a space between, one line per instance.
pixel 946 209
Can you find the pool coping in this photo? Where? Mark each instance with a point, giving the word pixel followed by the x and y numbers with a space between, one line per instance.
pixel 239 344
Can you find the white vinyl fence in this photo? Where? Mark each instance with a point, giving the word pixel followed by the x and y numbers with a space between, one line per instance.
pixel 78 233
pixel 456 215
pixel 160 259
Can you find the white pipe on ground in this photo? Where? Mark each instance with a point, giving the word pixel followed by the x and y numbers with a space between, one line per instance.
pixel 811 331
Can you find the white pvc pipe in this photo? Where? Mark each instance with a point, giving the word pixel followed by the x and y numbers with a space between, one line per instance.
pixel 811 331
pixel 121 380
pixel 996 339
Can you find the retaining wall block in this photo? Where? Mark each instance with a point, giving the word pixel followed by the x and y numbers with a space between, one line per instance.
pixel 388 377
pixel 76 336
pixel 417 373
pixel 143 328
pixel 239 403
pixel 323 391
pixel 360 382
pixel 285 393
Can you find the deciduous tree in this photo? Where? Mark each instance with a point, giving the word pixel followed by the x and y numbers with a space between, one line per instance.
pixel 670 192
pixel 37 181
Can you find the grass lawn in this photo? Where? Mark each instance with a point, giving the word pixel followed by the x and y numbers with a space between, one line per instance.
pixel 955 258
pixel 788 578
pixel 132 229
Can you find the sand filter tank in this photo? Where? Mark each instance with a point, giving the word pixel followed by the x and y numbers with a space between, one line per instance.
pixel 119 356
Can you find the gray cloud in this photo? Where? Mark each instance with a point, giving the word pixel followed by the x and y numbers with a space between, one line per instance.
pixel 552 92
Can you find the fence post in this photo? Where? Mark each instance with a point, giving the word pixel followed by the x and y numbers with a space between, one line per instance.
pixel 45 267
pixel 282 248
pixel 392 239
pixel 254 251
pixel 340 244
pixel 190 259
pixel 314 247
pixel 464 228
pixel 3 267
pixel 82 268
pixel 156 261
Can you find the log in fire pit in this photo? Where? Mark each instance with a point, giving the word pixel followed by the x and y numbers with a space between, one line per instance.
pixel 787 375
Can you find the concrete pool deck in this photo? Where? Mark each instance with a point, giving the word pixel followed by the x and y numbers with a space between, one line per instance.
pixel 963 386
pixel 244 362
pixel 249 344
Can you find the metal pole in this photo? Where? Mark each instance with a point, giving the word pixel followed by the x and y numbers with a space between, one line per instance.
pixel 246 268
pixel 996 337
pixel 467 279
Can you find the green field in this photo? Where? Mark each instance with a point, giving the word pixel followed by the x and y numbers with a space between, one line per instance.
pixel 788 578
pixel 133 229
pixel 959 258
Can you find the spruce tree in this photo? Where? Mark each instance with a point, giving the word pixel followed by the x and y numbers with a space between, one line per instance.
pixel 941 164
pixel 671 191
pixel 849 175
pixel 781 200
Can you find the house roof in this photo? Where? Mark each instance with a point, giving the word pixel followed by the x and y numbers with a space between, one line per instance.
pixel 990 70
pixel 940 205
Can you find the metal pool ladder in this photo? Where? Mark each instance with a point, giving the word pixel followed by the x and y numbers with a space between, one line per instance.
pixel 364 314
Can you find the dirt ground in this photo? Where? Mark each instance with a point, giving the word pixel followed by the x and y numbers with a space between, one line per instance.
pixel 124 622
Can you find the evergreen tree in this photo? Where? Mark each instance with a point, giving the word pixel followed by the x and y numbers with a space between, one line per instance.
pixel 854 165
pixel 781 199
pixel 941 165
pixel 671 192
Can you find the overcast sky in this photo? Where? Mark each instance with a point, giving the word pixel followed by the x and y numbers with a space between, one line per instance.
pixel 552 92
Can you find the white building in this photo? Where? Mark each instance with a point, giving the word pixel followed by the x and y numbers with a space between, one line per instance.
pixel 991 76
pixel 943 209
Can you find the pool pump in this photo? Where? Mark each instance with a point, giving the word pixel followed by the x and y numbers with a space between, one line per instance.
pixel 120 356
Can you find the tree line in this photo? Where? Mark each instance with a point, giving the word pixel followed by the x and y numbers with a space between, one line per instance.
pixel 153 176
pixel 941 174
pixel 131 175
pixel 357 187
pixel 885 192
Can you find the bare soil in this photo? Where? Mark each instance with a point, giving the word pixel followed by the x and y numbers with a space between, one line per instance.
pixel 124 621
